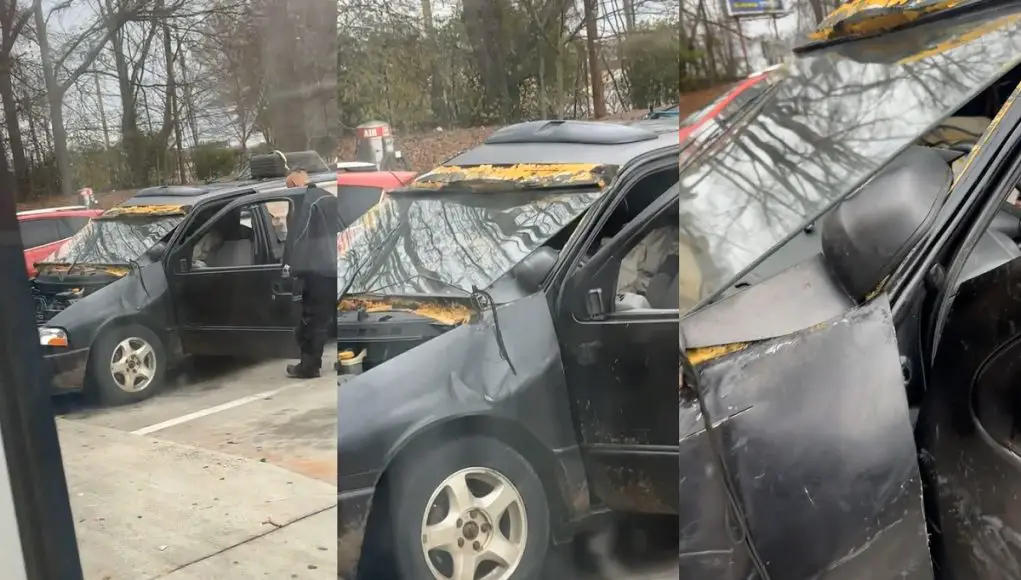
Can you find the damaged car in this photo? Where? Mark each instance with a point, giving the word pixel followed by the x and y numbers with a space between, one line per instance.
pixel 849 305
pixel 488 320
pixel 172 272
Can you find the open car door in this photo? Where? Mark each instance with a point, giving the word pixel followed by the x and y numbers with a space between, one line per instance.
pixel 809 468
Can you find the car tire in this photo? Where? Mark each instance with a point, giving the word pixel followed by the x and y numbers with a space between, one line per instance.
pixel 119 358
pixel 515 538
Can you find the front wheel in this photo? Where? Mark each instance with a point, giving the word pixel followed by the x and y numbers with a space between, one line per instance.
pixel 127 364
pixel 469 509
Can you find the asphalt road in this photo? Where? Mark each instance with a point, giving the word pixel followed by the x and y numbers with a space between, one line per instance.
pixel 245 409
pixel 251 410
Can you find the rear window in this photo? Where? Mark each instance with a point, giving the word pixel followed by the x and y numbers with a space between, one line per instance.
pixel 74 223
pixel 39 232
pixel 354 200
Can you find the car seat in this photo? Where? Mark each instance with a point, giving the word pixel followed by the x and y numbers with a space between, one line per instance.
pixel 237 248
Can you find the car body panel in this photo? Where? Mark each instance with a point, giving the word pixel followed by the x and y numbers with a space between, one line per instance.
pixel 460 381
pixel 817 439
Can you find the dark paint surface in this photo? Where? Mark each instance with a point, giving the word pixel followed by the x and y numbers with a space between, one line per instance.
pixel 818 440
pixel 968 430
pixel 442 388
pixel 821 131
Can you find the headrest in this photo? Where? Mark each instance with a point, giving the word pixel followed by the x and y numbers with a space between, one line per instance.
pixel 868 235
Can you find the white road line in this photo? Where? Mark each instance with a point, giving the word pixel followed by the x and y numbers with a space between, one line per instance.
pixel 205 412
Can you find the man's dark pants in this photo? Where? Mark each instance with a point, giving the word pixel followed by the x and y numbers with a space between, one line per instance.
pixel 318 311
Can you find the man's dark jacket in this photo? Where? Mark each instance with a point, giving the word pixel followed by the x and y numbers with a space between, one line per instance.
pixel 313 236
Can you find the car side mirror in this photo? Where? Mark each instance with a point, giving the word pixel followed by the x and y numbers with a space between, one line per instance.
pixel 595 306
pixel 155 253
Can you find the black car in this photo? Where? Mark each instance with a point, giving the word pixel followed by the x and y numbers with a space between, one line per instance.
pixel 174 271
pixel 501 350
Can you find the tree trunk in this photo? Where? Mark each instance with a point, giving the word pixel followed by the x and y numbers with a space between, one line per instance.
pixel 17 145
pixel 55 100
pixel 595 71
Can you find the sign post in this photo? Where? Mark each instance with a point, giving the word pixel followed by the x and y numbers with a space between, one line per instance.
pixel 740 10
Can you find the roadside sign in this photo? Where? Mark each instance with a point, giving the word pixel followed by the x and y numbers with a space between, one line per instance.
pixel 754 8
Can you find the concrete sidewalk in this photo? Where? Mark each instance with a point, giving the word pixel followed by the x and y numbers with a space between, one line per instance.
pixel 146 508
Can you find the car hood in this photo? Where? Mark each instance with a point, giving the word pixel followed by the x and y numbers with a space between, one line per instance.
pixel 81 303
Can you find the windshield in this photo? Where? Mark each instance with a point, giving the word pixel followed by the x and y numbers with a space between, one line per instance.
pixel 114 241
pixel 443 245
pixel 828 126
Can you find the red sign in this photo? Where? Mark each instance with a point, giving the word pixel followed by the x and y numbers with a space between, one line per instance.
pixel 370 132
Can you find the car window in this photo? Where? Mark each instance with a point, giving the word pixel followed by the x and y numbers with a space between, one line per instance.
pixel 39 232
pixel 231 242
pixel 72 224
pixel 354 200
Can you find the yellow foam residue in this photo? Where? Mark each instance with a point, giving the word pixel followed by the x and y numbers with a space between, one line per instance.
pixel 962 39
pixel 145 210
pixel 443 311
pixel 345 355
pixel 704 354
pixel 44 268
pixel 860 17
pixel 537 174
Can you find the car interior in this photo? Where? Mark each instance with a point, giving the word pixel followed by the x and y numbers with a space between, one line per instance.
pixel 659 266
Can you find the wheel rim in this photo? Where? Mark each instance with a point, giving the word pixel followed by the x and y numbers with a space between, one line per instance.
pixel 133 365
pixel 475 527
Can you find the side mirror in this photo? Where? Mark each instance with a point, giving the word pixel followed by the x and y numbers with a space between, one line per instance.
pixel 155 253
pixel 595 306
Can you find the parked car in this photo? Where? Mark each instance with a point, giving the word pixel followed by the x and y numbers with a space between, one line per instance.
pixel 44 230
pixel 128 296
pixel 733 99
pixel 463 293
pixel 357 191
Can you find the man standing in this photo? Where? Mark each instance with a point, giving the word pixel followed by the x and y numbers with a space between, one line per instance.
pixel 312 261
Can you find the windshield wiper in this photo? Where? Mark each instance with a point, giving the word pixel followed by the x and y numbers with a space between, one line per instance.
pixel 481 300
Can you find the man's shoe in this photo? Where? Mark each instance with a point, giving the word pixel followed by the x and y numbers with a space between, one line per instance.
pixel 299 372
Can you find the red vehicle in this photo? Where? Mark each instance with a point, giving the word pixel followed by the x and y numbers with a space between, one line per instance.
pixel 691 125
pixel 357 191
pixel 44 230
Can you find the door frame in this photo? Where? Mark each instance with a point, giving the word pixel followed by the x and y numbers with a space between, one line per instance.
pixel 172 258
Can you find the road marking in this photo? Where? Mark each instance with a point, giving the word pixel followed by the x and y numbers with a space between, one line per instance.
pixel 205 412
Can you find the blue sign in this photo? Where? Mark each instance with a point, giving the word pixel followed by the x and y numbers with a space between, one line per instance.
pixel 751 8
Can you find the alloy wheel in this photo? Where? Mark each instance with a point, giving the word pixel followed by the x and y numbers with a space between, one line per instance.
pixel 475 527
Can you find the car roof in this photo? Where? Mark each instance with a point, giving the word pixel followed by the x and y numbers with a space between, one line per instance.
pixel 544 142
pixel 192 195
pixel 381 179
pixel 66 211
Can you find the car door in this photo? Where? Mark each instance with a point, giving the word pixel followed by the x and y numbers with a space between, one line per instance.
pixel 621 373
pixel 801 441
pixel 237 306
pixel 40 237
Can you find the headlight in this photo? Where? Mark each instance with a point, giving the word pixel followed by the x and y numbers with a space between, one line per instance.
pixel 52 337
